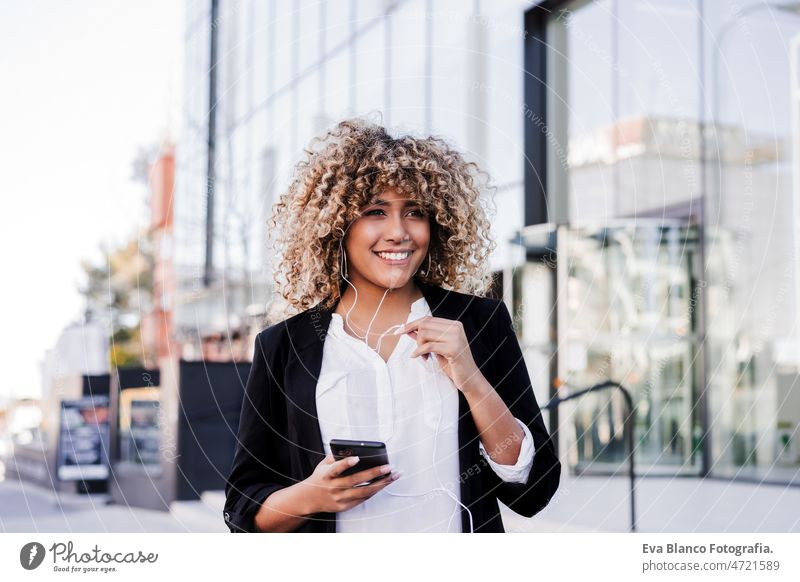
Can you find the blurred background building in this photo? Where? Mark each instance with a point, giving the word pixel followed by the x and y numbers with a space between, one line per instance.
pixel 646 163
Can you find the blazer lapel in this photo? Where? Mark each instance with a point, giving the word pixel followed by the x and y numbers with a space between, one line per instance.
pixel 306 340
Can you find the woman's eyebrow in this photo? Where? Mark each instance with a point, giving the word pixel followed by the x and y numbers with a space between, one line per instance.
pixel 382 202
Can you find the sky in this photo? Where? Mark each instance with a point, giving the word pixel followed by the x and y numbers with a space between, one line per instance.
pixel 85 84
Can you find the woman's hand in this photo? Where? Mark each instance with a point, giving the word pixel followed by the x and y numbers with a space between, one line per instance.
pixel 327 491
pixel 446 339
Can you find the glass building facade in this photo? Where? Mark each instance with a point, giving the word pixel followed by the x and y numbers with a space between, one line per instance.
pixel 646 171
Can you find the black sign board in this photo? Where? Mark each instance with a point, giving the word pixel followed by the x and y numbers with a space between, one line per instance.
pixel 83 439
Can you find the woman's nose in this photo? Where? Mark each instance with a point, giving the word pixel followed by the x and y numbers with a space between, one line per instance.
pixel 396 229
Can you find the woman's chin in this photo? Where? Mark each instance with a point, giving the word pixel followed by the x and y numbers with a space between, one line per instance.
pixel 392 281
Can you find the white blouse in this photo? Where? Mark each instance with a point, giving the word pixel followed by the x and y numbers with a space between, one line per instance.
pixel 400 402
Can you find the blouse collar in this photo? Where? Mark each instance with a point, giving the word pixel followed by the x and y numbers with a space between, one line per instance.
pixel 419 308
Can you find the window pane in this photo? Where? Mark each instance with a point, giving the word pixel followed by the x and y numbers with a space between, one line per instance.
pixel 408 81
pixel 371 70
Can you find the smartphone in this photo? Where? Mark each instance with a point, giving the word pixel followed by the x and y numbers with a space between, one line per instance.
pixel 370 454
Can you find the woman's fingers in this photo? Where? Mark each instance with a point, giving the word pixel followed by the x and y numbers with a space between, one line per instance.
pixel 424 322
pixel 435 335
pixel 339 467
pixel 359 494
pixel 440 348
pixel 338 492
pixel 366 475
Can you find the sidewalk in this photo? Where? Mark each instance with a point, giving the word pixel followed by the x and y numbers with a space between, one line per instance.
pixel 664 504
pixel 585 504
pixel 25 507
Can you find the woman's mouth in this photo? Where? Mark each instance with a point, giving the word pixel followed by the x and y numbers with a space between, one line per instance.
pixel 396 258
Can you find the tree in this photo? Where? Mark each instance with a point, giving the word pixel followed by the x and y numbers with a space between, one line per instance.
pixel 117 292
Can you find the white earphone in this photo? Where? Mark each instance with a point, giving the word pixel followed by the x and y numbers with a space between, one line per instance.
pixel 435 472
pixel 343 267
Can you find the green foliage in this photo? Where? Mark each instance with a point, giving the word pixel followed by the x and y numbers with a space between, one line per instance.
pixel 119 291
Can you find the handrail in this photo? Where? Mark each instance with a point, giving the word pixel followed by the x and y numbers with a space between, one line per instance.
pixel 627 429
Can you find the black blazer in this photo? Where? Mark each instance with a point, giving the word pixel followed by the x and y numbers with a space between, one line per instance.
pixel 279 440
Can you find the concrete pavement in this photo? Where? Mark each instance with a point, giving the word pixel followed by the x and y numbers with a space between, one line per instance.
pixel 584 504
pixel 665 504
pixel 25 507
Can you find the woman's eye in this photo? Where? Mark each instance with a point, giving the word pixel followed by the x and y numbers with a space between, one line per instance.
pixel 371 212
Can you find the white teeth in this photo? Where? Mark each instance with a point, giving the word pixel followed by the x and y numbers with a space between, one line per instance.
pixel 394 256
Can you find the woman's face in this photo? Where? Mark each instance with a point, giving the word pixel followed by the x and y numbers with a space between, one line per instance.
pixel 386 245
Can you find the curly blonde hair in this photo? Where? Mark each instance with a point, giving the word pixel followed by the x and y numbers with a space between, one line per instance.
pixel 342 171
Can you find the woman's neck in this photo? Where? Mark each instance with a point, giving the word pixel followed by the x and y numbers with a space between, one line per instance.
pixel 387 307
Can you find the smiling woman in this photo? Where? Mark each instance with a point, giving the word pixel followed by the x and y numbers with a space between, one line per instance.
pixel 396 352
pixel 357 163
pixel 389 241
